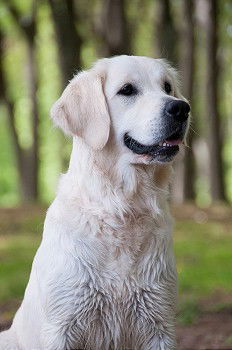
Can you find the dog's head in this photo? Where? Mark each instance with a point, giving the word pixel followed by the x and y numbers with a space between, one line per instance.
pixel 135 100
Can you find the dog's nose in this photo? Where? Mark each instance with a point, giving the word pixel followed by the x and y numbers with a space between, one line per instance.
pixel 178 110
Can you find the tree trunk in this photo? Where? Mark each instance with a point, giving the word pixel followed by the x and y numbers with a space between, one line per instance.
pixel 114 29
pixel 69 49
pixel 32 156
pixel 165 32
pixel 188 43
pixel 27 160
pixel 68 39
pixel 212 71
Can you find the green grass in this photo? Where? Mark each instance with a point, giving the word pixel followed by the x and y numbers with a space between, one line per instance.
pixel 189 311
pixel 16 254
pixel 229 340
pixel 20 234
pixel 203 255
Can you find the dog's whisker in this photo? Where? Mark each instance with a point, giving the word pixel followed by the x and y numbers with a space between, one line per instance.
pixel 194 131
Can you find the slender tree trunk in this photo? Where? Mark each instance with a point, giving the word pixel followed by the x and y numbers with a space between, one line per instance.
pixel 69 49
pixel 113 29
pixel 9 105
pixel 214 139
pixel 27 160
pixel 165 32
pixel 68 38
pixel 19 152
pixel 32 158
pixel 188 43
pixel 23 158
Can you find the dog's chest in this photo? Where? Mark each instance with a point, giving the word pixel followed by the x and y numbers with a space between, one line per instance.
pixel 112 300
pixel 116 316
pixel 117 280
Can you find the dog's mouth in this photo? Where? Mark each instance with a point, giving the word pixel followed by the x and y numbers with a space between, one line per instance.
pixel 163 151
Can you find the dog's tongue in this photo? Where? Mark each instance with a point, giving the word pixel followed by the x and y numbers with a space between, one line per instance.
pixel 173 142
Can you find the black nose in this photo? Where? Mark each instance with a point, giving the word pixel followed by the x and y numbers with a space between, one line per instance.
pixel 178 110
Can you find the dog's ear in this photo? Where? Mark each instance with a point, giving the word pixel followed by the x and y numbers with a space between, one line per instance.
pixel 82 110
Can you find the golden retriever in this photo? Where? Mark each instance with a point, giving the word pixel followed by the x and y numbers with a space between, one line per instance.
pixel 104 276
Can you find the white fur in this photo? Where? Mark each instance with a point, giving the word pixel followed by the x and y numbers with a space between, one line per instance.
pixel 104 275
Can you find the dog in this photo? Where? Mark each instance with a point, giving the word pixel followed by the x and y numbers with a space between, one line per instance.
pixel 104 276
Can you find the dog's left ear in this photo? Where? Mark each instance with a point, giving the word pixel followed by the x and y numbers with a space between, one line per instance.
pixel 82 110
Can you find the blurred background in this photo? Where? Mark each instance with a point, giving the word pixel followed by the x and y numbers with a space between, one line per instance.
pixel 43 43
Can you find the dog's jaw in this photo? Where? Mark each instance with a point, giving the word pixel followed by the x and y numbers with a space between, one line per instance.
pixel 162 152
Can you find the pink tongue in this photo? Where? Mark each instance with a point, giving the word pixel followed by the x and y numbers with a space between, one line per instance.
pixel 173 142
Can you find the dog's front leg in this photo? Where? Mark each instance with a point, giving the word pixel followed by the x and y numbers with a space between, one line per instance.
pixel 163 341
pixel 54 337
pixel 8 340
pixel 60 337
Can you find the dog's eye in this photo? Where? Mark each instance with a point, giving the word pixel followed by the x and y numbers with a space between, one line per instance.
pixel 167 87
pixel 127 90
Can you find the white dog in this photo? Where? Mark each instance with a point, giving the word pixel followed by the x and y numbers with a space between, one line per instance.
pixel 104 277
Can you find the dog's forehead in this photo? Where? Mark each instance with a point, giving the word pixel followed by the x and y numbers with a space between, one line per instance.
pixel 135 68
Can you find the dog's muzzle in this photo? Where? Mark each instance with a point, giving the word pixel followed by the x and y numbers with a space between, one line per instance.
pixel 175 116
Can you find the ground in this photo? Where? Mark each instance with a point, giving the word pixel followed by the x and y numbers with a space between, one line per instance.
pixel 203 247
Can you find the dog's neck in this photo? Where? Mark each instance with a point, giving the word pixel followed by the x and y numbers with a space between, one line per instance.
pixel 105 179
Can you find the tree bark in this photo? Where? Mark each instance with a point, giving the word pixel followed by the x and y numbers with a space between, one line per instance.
pixel 212 72
pixel 68 38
